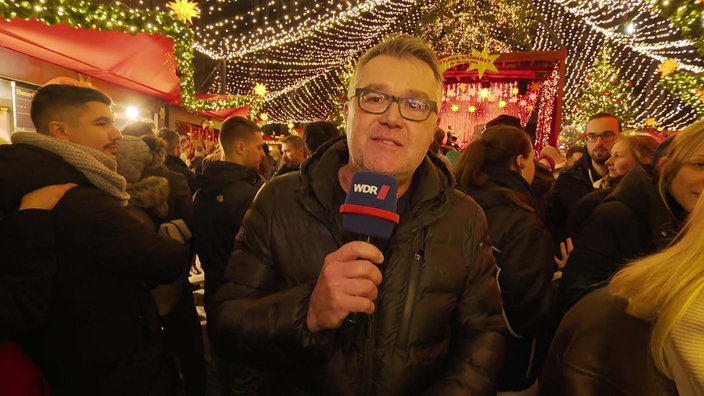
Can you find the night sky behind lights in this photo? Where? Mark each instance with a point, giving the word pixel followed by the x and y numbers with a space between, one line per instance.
pixel 300 50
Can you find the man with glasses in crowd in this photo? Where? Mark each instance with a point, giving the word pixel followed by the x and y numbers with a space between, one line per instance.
pixel 433 320
pixel 578 180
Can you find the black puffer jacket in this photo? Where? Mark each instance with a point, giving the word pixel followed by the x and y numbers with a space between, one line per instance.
pixel 524 252
pixel 631 222
pixel 102 333
pixel 438 323
pixel 225 191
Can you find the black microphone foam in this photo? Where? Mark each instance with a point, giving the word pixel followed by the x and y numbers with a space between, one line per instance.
pixel 370 206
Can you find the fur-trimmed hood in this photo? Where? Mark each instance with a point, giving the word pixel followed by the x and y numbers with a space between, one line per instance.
pixel 151 193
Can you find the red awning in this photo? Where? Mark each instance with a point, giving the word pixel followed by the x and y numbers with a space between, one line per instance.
pixel 222 114
pixel 142 62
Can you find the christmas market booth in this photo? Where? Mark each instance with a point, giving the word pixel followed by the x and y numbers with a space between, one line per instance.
pixel 480 87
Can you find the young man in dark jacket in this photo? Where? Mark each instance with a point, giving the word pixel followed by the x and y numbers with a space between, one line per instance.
pixel 578 180
pixel 101 332
pixel 433 320
pixel 226 188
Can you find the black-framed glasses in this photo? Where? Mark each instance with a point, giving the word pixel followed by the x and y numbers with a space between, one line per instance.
pixel 606 136
pixel 410 108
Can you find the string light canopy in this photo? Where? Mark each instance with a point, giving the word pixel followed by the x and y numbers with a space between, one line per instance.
pixel 301 50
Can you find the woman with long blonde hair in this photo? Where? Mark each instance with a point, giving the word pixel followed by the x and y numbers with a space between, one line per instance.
pixel 666 289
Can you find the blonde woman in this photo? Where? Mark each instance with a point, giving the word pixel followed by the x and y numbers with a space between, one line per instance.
pixel 666 289
pixel 602 344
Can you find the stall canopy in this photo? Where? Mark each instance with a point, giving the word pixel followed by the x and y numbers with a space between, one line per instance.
pixel 142 62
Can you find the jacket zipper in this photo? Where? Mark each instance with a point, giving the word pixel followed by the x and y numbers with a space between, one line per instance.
pixel 410 299
pixel 368 358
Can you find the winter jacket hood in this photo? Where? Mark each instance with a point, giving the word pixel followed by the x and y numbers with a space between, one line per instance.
pixel 219 174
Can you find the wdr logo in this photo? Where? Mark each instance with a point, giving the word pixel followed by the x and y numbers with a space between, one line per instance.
pixel 371 189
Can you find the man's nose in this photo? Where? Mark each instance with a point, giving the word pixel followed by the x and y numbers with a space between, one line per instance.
pixel 115 133
pixel 392 115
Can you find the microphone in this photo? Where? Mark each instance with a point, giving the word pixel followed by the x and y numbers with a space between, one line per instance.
pixel 369 210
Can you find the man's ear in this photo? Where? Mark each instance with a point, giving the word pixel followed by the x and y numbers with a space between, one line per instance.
pixel 520 162
pixel 57 129
pixel 239 147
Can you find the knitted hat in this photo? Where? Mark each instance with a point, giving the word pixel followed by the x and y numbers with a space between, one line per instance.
pixel 132 156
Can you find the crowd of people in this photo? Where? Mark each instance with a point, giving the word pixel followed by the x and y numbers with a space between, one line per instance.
pixel 508 272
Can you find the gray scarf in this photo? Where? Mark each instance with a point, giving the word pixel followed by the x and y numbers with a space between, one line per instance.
pixel 96 166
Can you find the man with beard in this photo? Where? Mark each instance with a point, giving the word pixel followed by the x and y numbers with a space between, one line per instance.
pixel 578 180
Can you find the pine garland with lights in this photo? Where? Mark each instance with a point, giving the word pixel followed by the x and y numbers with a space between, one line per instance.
pixel 112 17
pixel 689 17
pixel 602 90
pixel 687 86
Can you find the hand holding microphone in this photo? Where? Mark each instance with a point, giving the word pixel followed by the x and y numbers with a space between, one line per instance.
pixel 347 283
pixel 349 279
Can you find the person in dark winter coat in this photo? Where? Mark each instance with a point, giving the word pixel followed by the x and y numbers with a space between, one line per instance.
pixel 25 286
pixel 578 180
pixel 640 217
pixel 150 199
pixel 433 322
pixel 101 334
pixel 225 191
pixel 26 275
pixel 496 170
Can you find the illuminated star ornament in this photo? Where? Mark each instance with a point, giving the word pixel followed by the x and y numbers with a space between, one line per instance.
pixel 482 61
pixel 668 66
pixel 185 10
pixel 260 90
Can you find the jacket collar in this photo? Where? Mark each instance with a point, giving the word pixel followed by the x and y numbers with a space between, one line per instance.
pixel 431 186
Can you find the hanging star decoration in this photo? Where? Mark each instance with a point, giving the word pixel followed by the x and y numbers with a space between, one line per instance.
pixel 455 108
pixel 260 90
pixel 700 92
pixel 668 66
pixel 535 86
pixel 650 122
pixel 482 61
pixel 264 117
pixel 185 10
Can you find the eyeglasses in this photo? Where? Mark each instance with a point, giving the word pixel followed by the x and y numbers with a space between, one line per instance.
pixel 606 136
pixel 377 102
